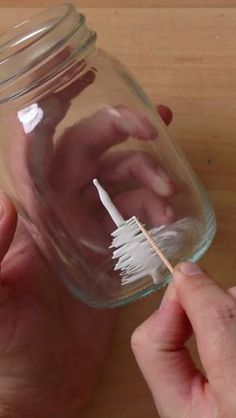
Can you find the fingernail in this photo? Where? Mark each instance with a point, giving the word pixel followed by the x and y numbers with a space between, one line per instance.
pixel 163 175
pixel 131 125
pixel 169 212
pixel 163 185
pixel 189 269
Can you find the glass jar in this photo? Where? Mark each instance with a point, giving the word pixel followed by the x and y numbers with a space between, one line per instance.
pixel 71 113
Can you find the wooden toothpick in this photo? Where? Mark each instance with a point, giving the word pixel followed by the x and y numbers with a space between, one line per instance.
pixel 155 247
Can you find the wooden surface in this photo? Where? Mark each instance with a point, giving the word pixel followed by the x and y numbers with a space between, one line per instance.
pixel 122 3
pixel 185 58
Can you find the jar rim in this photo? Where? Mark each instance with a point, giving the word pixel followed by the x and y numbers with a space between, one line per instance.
pixel 14 39
pixel 29 44
pixel 30 31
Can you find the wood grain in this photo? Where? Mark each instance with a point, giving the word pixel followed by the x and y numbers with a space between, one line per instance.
pixel 185 58
pixel 122 3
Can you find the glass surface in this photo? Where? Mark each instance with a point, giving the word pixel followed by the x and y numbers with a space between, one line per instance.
pixel 71 113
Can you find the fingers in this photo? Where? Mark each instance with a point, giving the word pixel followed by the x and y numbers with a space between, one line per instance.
pixel 83 144
pixel 147 206
pixel 137 165
pixel 158 345
pixel 212 313
pixel 8 220
pixel 110 126
pixel 178 388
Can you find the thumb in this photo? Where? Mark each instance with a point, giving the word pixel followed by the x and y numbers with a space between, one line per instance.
pixel 8 221
pixel 159 348
pixel 212 313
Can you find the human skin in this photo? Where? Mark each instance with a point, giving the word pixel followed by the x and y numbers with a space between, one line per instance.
pixel 193 304
pixel 52 347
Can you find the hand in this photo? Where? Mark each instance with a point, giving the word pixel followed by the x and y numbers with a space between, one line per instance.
pixel 194 303
pixel 53 166
pixel 52 347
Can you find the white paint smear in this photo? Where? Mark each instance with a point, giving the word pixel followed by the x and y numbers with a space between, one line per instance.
pixel 30 117
pixel 134 256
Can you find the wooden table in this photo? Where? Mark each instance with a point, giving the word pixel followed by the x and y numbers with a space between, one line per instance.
pixel 186 57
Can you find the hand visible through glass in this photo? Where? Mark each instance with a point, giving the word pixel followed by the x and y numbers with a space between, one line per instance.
pixel 51 346
pixel 53 170
pixel 62 171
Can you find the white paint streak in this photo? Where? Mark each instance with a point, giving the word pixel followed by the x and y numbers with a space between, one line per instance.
pixel 108 204
pixel 30 117
pixel 135 257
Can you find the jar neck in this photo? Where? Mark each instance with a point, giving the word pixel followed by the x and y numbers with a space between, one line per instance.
pixel 42 48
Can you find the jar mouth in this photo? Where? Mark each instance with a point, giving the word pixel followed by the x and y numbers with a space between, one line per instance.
pixel 31 30
pixel 29 44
